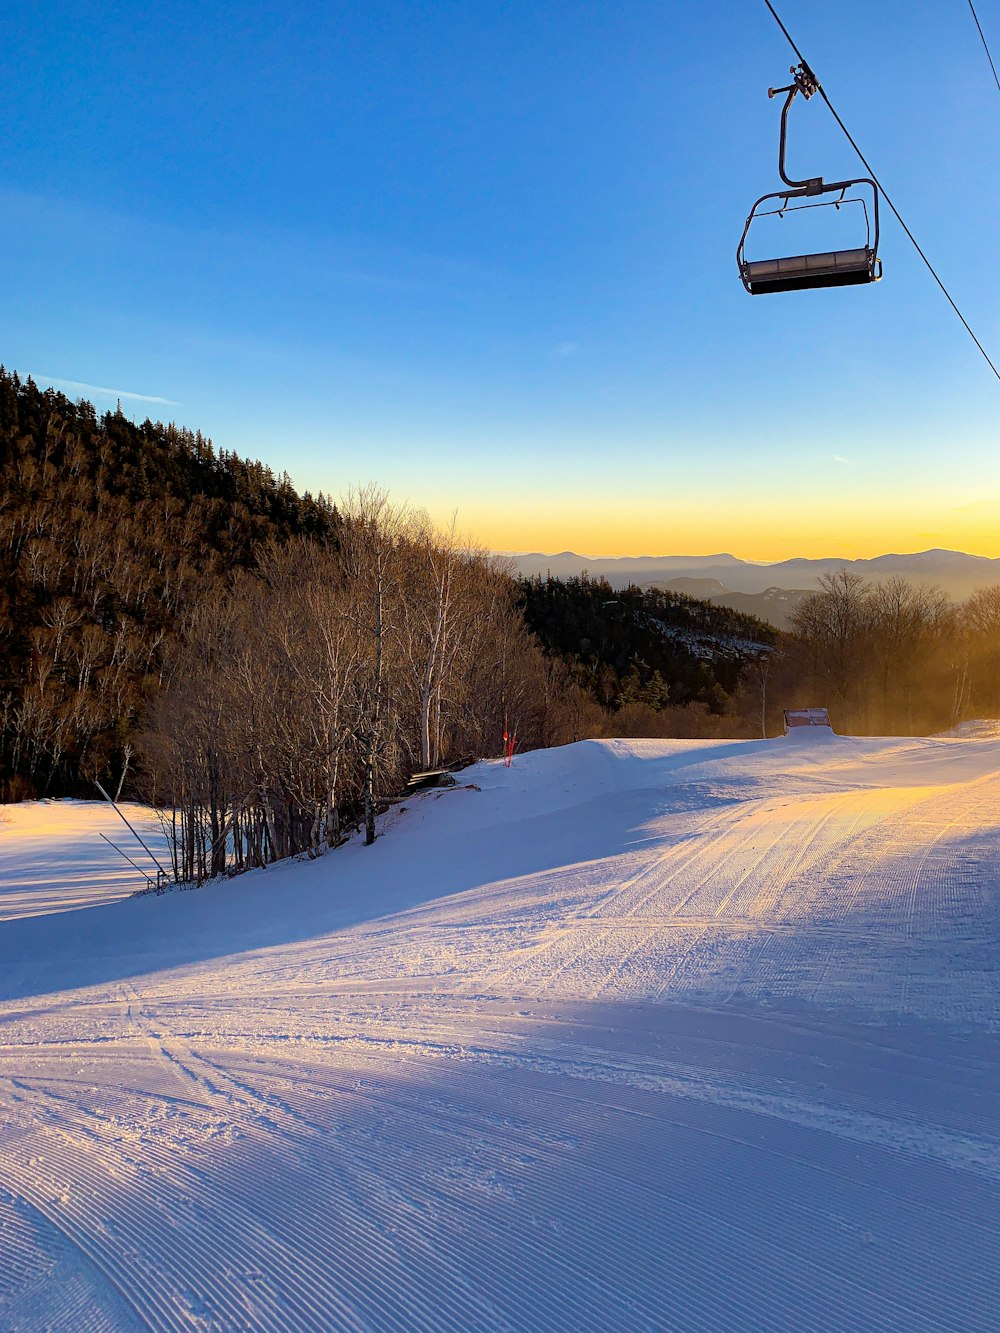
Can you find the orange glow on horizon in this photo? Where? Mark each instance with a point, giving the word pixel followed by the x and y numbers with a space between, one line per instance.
pixel 751 532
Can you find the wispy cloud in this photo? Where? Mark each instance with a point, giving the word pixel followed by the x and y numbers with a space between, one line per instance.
pixel 839 458
pixel 563 351
pixel 100 392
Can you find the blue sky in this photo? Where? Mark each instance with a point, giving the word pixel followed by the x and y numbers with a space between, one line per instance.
pixel 484 255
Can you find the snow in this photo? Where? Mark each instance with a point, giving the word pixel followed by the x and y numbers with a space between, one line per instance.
pixel 53 856
pixel 634 1034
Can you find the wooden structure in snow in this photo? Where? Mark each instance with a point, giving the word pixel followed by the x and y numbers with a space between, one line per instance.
pixel 806 717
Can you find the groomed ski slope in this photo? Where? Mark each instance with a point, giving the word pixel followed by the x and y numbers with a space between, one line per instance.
pixel 674 1035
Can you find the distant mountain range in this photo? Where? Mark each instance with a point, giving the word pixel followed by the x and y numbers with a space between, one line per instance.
pixel 770 591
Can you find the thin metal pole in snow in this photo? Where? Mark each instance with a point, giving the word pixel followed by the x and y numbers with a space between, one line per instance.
pixel 131 830
pixel 128 858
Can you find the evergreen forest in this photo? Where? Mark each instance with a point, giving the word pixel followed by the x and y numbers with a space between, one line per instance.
pixel 643 646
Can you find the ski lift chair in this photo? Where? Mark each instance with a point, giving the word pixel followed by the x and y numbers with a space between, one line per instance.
pixel 829 268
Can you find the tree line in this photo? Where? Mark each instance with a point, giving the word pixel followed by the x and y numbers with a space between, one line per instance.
pixel 271 668
pixel 298 699
pixel 893 657
pixel 885 657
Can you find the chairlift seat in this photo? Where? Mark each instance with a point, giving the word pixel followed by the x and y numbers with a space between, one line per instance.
pixel 831 268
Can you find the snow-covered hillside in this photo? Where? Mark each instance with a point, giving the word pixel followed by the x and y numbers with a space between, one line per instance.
pixel 687 1035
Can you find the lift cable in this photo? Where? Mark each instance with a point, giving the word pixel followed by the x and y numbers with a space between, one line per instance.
pixel 913 239
pixel 985 47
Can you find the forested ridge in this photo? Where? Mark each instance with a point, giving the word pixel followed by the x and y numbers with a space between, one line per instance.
pixel 643 646
pixel 108 531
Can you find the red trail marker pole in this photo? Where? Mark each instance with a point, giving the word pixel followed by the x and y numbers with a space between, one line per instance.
pixel 509 742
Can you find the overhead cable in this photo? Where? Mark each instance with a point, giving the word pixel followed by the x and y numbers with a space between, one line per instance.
pixel 985 47
pixel 868 168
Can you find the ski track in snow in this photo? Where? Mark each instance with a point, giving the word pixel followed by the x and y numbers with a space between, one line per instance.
pixel 641 1035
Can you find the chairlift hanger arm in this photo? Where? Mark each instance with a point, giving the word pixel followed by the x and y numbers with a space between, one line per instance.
pixel 804 81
